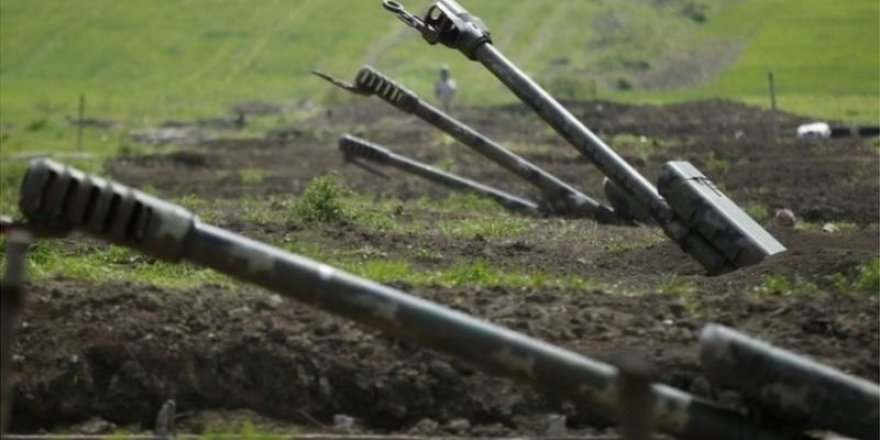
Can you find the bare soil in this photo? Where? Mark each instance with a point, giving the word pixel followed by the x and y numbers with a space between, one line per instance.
pixel 117 351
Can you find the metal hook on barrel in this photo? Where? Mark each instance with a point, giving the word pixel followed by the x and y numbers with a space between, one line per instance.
pixel 339 83
pixel 405 16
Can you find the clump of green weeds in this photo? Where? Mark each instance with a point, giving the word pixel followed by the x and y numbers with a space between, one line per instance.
pixel 476 272
pixel 683 290
pixel 758 211
pixel 252 176
pixel 716 164
pixel 678 287
pixel 322 201
pixel 327 199
pixel 867 279
pixel 246 430
pixel 780 285
pixel 484 227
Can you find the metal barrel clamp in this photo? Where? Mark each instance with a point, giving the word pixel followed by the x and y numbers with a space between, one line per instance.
pixel 702 220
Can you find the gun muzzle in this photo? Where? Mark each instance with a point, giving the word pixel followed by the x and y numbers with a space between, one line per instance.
pixel 355 147
pixel 452 26
pixel 57 199
pixel 708 211
pixel 370 81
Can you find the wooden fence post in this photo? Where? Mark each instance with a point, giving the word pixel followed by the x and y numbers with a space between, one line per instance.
pixel 79 122
pixel 774 121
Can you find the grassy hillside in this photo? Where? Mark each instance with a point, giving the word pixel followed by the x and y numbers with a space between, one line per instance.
pixel 825 56
pixel 149 59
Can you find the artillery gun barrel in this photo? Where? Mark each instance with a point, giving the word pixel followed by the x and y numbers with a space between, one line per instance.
pixel 55 198
pixel 704 222
pixel 560 195
pixel 353 146
pixel 11 299
pixel 789 385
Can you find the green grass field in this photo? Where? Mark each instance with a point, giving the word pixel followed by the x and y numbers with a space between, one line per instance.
pixel 825 56
pixel 150 59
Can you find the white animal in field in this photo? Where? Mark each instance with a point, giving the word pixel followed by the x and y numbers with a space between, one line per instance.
pixel 444 88
pixel 816 130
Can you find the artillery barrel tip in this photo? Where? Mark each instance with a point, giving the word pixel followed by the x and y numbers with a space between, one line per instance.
pixel 335 81
pixel 710 333
pixel 346 140
pixel 321 74
pixel 392 6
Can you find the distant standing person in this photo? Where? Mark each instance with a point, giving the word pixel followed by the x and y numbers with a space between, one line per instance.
pixel 444 89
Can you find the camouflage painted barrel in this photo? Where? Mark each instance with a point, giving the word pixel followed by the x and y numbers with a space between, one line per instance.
pixel 789 385
pixel 55 198
pixel 353 146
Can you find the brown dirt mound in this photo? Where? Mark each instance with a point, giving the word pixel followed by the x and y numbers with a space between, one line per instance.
pixel 118 351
